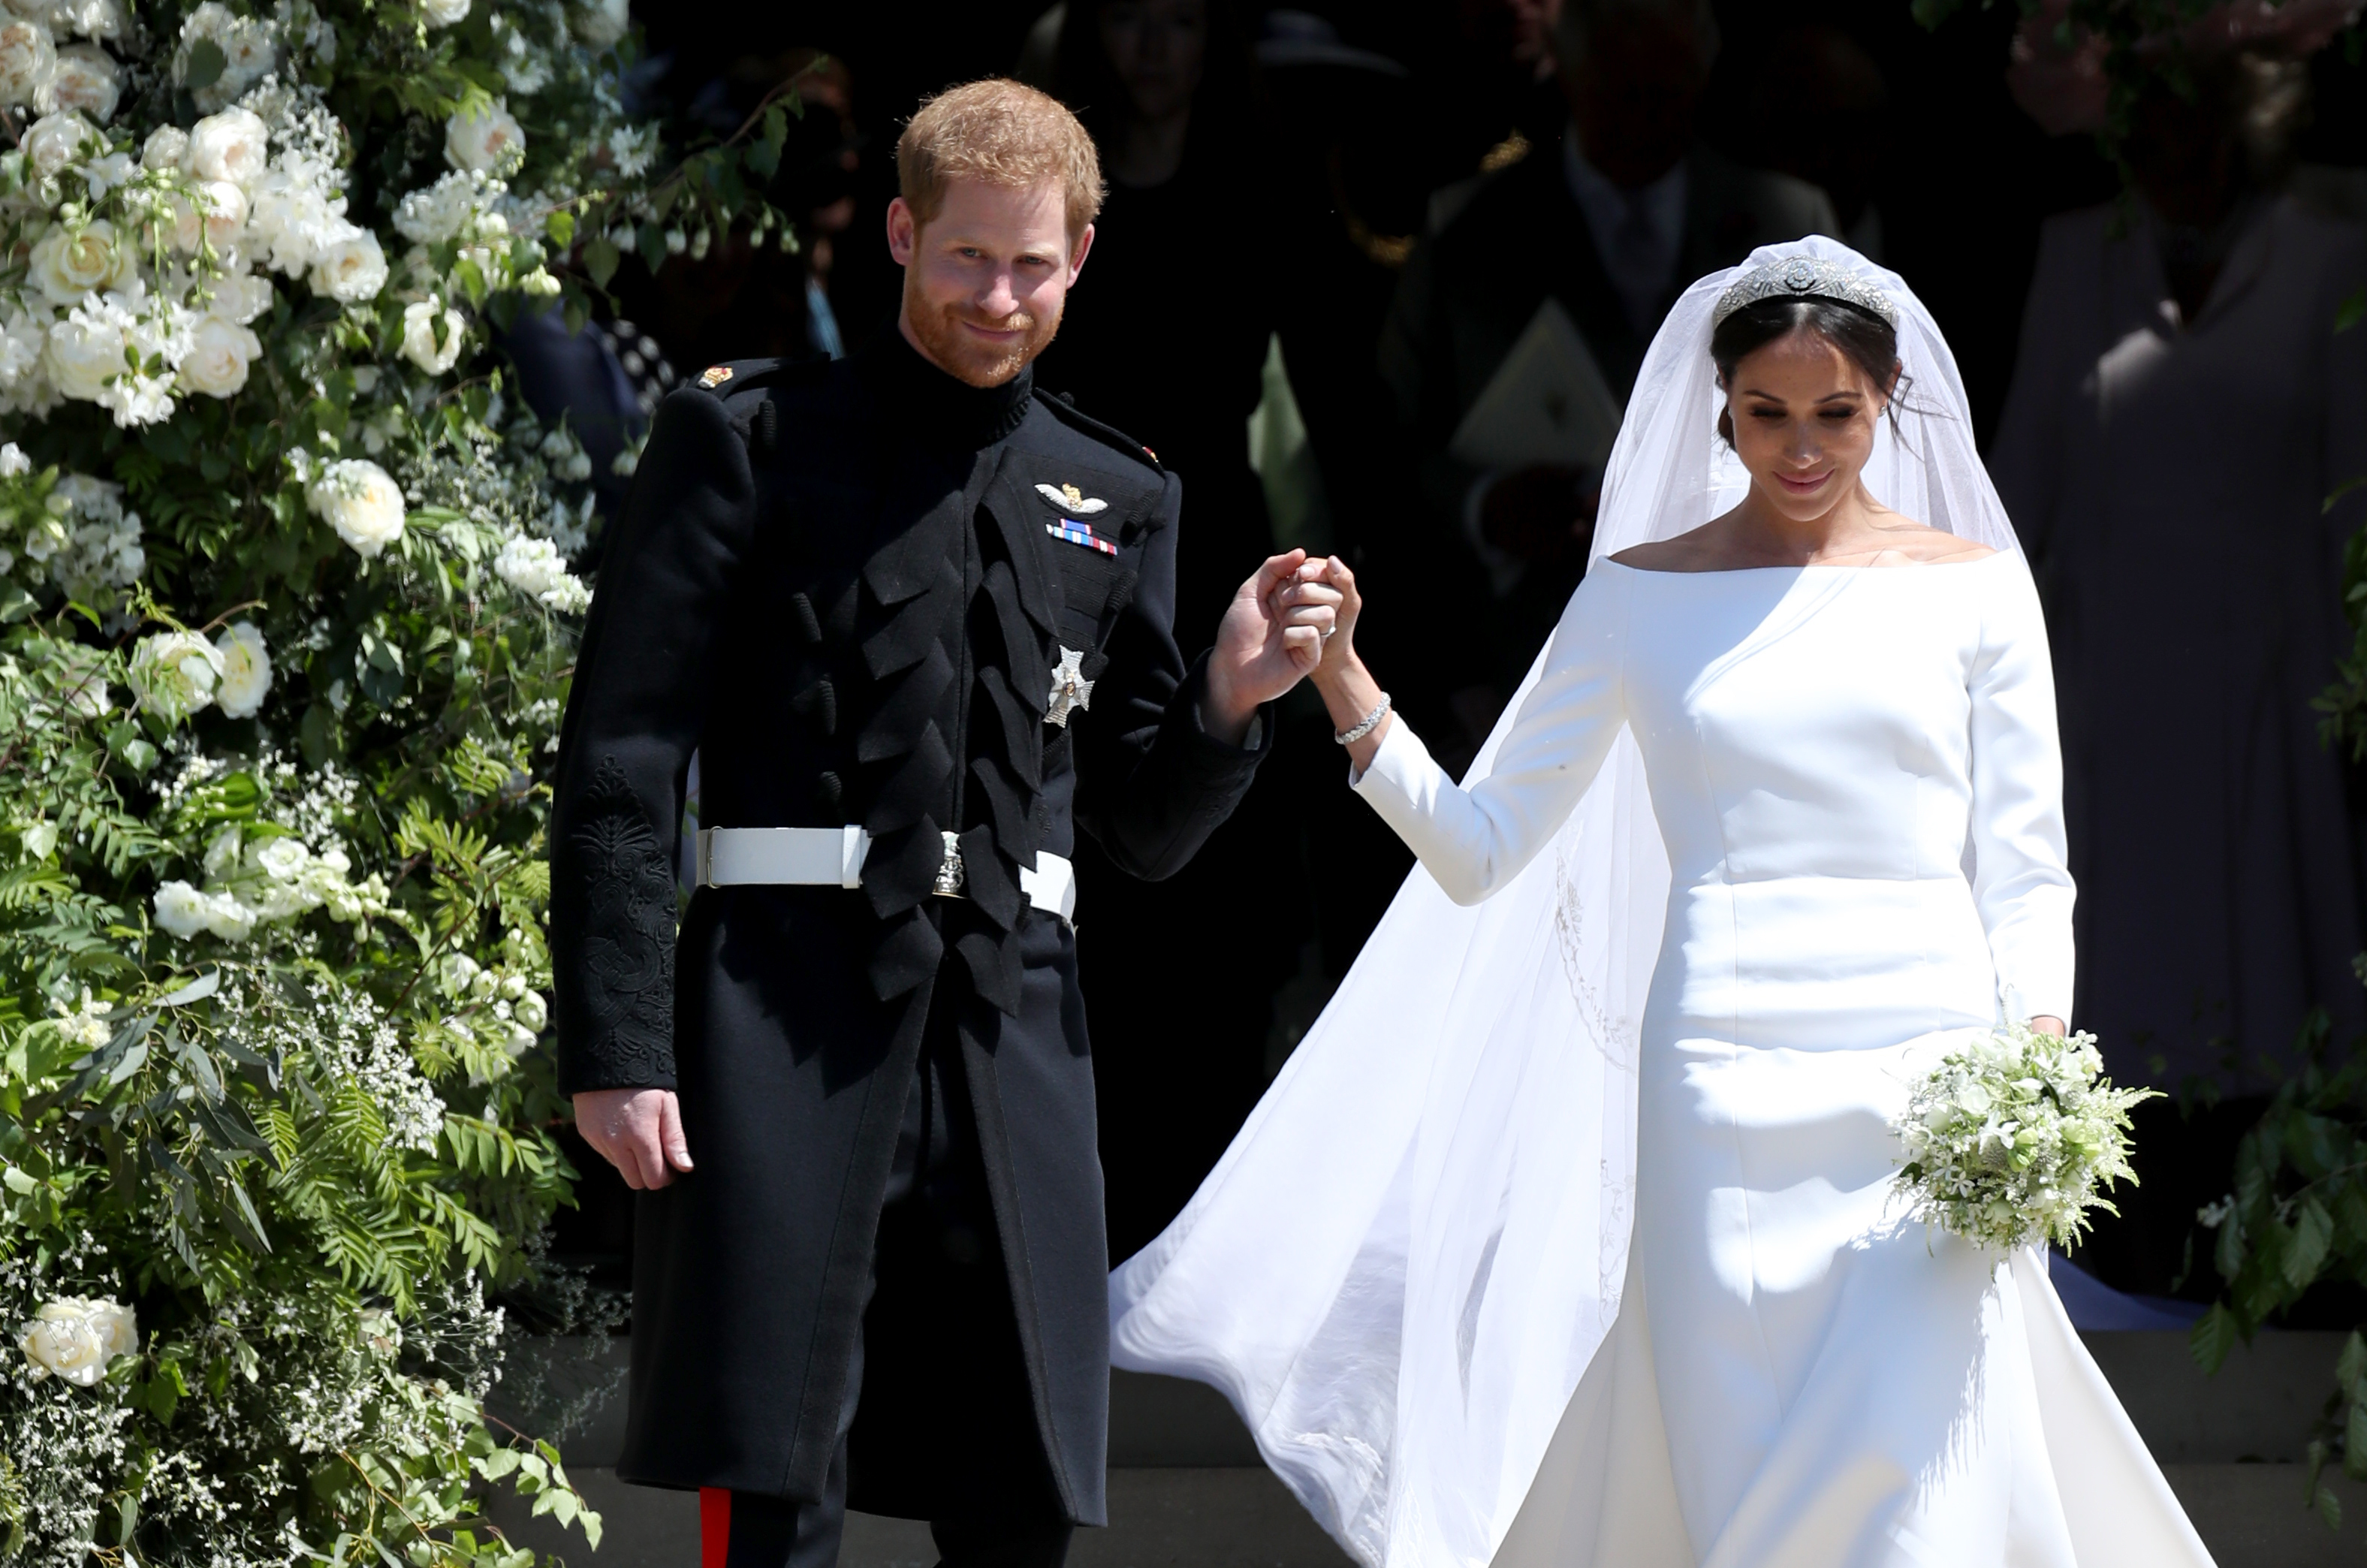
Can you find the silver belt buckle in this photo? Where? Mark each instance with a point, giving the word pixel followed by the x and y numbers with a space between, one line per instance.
pixel 950 874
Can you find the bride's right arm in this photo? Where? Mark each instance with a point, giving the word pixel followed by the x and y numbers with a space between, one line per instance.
pixel 1475 841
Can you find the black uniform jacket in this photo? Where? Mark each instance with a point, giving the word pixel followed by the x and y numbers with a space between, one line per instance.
pixel 847 586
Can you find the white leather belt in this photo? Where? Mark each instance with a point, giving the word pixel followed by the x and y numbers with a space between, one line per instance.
pixel 833 856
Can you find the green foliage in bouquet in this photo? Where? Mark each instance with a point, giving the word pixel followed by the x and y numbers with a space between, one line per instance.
pixel 2014 1136
pixel 286 619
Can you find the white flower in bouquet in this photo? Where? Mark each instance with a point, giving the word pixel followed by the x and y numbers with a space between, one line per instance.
pixel 233 145
pixel 70 262
pixel 358 499
pixel 55 143
pixel 173 674
pixel 438 212
pixel 2011 1137
pixel 28 56
pixel 93 19
pixel 84 80
pixel 632 148
pixel 422 320
pixel 533 567
pixel 247 669
pixel 112 173
pixel 601 23
pixel 167 148
pixel 350 268
pixel 222 852
pixel 295 212
pixel 443 13
pixel 489 139
pixel 219 354
pixel 85 351
pixel 80 675
pixel 228 918
pixel 74 1338
pixel 248 50
pixel 224 217
pixel 239 298
pixel 180 908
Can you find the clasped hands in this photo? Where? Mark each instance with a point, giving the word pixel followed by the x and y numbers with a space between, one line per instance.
pixel 1295 617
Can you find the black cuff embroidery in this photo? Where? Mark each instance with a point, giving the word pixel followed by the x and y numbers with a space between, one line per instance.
pixel 629 934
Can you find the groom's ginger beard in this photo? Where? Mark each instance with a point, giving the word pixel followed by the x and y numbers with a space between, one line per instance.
pixel 960 354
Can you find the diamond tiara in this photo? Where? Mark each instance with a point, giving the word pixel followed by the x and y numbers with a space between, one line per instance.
pixel 1803 277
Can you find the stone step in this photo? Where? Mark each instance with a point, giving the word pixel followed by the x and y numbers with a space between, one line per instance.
pixel 1186 1486
pixel 2250 1515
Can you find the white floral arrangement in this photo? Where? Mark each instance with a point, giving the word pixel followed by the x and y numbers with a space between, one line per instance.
pixel 2014 1136
pixel 289 580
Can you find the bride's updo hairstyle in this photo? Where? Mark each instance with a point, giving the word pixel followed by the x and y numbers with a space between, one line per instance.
pixel 1870 342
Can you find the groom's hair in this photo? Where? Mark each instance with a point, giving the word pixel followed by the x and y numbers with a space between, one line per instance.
pixel 1001 132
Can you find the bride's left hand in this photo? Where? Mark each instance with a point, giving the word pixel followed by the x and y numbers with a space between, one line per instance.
pixel 2046 1023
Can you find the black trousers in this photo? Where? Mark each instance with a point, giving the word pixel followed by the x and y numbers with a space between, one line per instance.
pixel 937 1281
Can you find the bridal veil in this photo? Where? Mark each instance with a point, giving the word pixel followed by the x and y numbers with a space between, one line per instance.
pixel 1406 1259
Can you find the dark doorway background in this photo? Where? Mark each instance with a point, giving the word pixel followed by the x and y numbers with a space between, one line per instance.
pixel 1963 181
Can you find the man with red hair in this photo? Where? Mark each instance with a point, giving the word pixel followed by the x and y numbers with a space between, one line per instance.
pixel 915 619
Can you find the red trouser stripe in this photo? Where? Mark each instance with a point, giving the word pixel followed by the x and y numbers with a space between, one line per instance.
pixel 714 1527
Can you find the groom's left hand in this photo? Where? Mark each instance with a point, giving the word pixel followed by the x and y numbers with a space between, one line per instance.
pixel 1271 636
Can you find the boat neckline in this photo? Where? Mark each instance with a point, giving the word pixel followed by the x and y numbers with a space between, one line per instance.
pixel 1816 566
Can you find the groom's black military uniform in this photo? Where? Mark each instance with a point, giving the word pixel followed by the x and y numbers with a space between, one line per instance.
pixel 852 588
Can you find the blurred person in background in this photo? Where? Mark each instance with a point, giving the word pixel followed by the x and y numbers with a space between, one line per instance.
pixel 1818 106
pixel 2181 411
pixel 1168 341
pixel 1609 224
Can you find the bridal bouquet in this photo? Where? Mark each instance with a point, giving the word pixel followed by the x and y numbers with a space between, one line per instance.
pixel 2012 1138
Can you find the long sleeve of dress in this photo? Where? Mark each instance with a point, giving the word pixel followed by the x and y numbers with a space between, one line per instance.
pixel 1475 841
pixel 2021 879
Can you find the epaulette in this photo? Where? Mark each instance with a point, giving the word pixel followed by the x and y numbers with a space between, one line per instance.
pixel 1109 435
pixel 737 384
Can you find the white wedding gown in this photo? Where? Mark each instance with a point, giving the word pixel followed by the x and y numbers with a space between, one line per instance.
pixel 1800 1377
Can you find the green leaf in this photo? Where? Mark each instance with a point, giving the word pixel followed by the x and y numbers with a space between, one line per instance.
pixel 2329 1507
pixel 2355 1443
pixel 2313 1236
pixel 600 260
pixel 205 65
pixel 561 227
pixel 2214 1338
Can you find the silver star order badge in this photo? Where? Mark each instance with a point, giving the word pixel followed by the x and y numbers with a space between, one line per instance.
pixel 1070 689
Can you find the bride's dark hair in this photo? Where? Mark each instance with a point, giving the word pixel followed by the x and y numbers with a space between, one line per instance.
pixel 1870 342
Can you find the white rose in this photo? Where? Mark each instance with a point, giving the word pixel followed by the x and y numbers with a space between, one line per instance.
pixel 94 18
pixel 216 364
pixel 532 1012
pixel 84 80
pixel 167 147
pixel 81 680
pixel 69 263
pixel 491 140
pixel 27 58
pixel 420 323
pixel 240 298
pixel 601 23
pixel 283 859
pixel 173 674
pixel 55 141
pixel 228 918
pixel 246 667
pixel 82 355
pixel 74 1338
pixel 180 909
pixel 351 268
pixel 231 145
pixel 442 13
pixel 226 210
pixel 356 497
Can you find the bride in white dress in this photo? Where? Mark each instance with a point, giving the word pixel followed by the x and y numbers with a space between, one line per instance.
pixel 1568 1238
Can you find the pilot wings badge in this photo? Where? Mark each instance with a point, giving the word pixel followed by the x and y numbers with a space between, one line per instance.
pixel 1068 498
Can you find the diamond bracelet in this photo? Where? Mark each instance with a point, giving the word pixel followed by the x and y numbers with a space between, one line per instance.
pixel 1363 726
